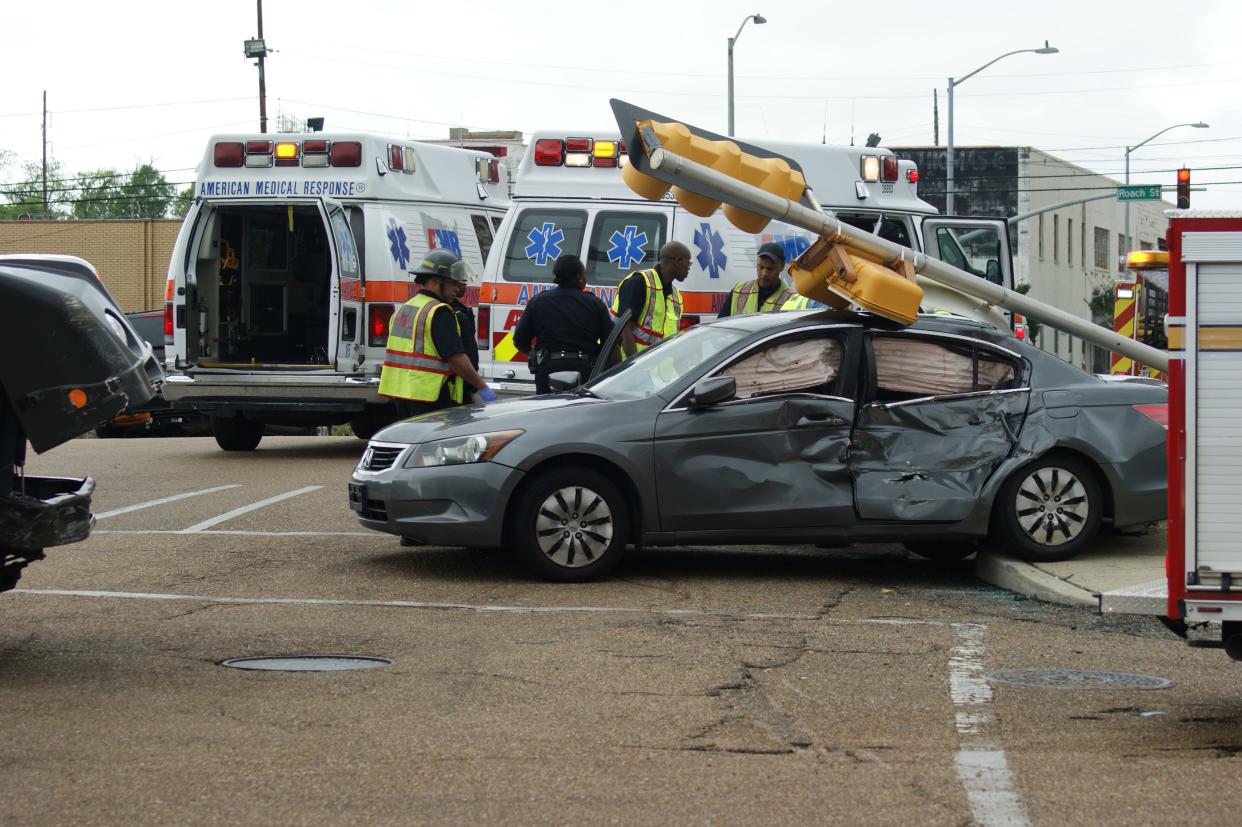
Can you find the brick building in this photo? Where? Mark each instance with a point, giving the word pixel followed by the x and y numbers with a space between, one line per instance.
pixel 131 256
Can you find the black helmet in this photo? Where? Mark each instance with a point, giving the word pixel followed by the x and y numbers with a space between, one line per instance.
pixel 442 263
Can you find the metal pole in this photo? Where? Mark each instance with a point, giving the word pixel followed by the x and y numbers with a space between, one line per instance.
pixel 1126 246
pixel 45 216
pixel 948 175
pixel 730 132
pixel 262 80
pixel 759 201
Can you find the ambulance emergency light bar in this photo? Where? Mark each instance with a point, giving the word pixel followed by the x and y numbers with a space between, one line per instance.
pixel 667 167
pixel 579 152
pixel 312 153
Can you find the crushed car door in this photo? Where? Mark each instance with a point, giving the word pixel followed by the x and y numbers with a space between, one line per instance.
pixel 773 456
pixel 944 412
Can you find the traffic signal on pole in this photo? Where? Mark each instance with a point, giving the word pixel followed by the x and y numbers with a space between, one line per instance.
pixel 832 272
pixel 643 132
pixel 1183 188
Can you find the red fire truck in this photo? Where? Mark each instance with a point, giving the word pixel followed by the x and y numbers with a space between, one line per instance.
pixel 1203 565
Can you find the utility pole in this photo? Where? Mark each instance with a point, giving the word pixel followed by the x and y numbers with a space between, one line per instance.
pixel 256 48
pixel 935 117
pixel 45 216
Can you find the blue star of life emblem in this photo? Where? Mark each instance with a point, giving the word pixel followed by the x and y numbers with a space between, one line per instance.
pixel 396 244
pixel 711 250
pixel 627 247
pixel 545 243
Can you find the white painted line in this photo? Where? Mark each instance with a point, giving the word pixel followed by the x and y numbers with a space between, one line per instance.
pixel 162 500
pixel 246 509
pixel 239 533
pixel 474 607
pixel 981 767
pixel 412 604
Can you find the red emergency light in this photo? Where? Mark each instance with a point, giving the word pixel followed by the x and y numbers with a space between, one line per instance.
pixel 346 154
pixel 378 316
pixel 483 327
pixel 888 168
pixel 912 176
pixel 549 152
pixel 229 154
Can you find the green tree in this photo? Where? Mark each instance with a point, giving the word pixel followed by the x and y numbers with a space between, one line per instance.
pixel 24 197
pixel 148 194
pixel 106 193
pixel 98 195
pixel 181 204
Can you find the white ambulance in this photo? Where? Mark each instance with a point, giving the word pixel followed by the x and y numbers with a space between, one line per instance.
pixel 569 198
pixel 292 259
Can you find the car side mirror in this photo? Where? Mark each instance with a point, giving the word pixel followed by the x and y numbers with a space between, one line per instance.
pixel 992 272
pixel 564 380
pixel 711 391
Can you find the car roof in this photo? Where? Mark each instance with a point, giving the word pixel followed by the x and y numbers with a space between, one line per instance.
pixel 792 320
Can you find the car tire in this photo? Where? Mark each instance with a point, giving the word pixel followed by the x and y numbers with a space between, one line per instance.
pixel 570 525
pixel 1049 509
pixel 942 551
pixel 233 433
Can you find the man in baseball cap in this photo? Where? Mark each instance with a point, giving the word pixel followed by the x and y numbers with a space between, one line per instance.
pixel 768 292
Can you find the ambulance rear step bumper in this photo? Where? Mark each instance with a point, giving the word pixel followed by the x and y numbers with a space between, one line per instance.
pixel 1150 598
pixel 181 389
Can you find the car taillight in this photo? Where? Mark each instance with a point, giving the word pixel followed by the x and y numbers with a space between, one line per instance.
pixel 378 316
pixel 1156 413
pixel 687 321
pixel 168 323
pixel 483 328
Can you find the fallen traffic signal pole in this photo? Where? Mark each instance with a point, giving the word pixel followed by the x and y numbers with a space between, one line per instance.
pixel 870 272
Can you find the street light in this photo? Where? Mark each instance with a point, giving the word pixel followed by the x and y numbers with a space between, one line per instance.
pixel 1129 149
pixel 758 18
pixel 1043 50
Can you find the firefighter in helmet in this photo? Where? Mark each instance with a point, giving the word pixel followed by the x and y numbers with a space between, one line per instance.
pixel 425 366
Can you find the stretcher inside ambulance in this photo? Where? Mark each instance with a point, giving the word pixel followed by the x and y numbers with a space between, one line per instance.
pixel 569 197
pixel 293 258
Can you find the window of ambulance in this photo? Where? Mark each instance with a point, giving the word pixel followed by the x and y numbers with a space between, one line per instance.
pixel 622 242
pixel 539 236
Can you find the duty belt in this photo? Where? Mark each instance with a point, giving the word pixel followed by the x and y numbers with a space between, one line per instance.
pixel 569 354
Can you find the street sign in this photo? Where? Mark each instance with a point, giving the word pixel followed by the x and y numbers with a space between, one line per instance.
pixel 1139 192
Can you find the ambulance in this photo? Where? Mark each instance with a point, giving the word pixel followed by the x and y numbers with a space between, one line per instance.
pixel 292 259
pixel 569 197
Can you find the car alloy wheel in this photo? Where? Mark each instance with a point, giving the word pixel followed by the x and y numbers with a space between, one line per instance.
pixel 571 525
pixel 574 527
pixel 1052 506
pixel 1049 510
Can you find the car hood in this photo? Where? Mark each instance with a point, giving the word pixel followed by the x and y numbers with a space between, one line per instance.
pixel 479 418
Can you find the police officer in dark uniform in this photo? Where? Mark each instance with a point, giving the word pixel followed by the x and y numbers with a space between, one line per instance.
pixel 567 323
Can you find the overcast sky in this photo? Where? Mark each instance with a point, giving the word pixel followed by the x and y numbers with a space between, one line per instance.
pixel 131 81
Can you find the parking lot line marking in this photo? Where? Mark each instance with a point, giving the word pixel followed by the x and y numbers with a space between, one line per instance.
pixel 472 607
pixel 246 509
pixel 162 500
pixel 240 533
pixel 981 767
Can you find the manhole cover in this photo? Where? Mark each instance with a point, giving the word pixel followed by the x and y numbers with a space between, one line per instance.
pixel 1071 679
pixel 307 663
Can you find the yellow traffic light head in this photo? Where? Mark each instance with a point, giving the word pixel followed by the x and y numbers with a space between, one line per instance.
pixel 838 275
pixel 643 132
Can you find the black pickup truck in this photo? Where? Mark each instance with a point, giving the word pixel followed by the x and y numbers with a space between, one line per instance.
pixel 74 363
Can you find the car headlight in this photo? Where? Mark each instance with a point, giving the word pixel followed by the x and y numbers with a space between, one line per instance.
pixel 461 450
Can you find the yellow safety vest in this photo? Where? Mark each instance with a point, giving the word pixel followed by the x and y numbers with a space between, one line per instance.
pixel 660 315
pixel 797 303
pixel 744 298
pixel 413 368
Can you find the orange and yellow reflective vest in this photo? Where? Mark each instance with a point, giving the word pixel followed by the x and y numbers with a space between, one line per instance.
pixel 744 298
pixel 413 368
pixel 660 314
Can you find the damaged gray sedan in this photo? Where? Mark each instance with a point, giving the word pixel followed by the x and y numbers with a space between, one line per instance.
pixel 784 428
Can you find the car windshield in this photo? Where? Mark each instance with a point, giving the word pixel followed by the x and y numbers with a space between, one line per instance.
pixel 656 368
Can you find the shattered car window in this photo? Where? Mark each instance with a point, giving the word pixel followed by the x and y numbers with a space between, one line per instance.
pixel 910 368
pixel 808 365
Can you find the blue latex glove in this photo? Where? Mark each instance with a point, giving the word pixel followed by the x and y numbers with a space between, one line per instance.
pixel 487 395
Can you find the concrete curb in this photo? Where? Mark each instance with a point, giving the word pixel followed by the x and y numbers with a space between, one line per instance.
pixel 1025 578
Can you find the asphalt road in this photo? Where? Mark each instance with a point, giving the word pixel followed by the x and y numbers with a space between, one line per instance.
pixel 734 686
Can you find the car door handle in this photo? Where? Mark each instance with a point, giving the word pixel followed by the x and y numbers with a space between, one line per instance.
pixel 817 419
